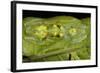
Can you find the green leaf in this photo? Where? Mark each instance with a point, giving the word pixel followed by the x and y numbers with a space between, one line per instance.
pixel 53 39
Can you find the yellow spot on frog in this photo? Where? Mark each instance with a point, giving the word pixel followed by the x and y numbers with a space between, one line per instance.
pixel 61 34
pixel 55 30
pixel 41 31
pixel 42 28
pixel 55 26
pixel 72 31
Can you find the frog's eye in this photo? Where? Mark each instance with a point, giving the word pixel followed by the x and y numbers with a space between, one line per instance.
pixel 72 31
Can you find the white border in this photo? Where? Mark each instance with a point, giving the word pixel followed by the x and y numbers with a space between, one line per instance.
pixel 35 65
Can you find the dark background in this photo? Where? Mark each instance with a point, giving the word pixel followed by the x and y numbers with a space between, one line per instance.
pixel 47 14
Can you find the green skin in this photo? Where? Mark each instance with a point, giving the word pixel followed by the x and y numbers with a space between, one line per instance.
pixel 53 39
